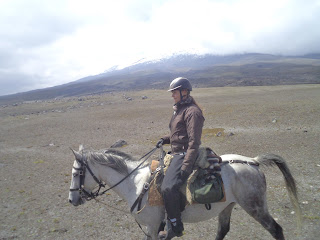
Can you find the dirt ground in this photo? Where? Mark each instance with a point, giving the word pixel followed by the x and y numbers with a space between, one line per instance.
pixel 36 161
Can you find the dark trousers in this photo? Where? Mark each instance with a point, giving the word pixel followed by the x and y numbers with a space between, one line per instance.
pixel 171 184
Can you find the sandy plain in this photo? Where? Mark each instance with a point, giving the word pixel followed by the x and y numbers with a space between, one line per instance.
pixel 36 161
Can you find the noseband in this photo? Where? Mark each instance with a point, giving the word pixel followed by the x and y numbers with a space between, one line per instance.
pixel 82 174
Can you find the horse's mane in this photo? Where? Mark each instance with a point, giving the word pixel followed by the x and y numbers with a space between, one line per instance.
pixel 109 157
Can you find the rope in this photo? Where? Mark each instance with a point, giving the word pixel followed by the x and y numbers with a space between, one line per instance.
pixel 98 201
pixel 126 212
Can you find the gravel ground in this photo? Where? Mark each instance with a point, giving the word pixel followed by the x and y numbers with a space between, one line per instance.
pixel 36 161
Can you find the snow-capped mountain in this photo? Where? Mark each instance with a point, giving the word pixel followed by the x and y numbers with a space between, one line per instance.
pixel 202 70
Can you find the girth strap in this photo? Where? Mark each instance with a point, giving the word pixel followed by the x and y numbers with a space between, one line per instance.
pixel 240 161
pixel 145 189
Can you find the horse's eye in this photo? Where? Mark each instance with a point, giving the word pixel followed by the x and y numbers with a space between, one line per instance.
pixel 75 174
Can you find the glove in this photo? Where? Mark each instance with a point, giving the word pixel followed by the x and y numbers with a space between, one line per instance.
pixel 184 176
pixel 159 143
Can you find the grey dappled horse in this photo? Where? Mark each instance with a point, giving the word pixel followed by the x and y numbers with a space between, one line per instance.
pixel 244 185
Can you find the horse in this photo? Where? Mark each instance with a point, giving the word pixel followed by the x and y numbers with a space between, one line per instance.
pixel 244 184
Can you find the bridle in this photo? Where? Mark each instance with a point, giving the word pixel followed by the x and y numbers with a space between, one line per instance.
pixel 82 173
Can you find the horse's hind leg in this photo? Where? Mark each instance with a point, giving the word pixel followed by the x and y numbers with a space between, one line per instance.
pixel 224 222
pixel 271 225
pixel 259 211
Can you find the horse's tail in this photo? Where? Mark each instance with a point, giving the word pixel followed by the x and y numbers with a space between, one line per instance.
pixel 272 160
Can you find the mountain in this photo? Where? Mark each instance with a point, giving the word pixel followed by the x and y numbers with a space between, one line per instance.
pixel 203 70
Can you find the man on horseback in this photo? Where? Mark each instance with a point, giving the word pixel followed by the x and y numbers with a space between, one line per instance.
pixel 185 138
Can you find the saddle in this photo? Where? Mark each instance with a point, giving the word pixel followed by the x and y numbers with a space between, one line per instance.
pixel 204 185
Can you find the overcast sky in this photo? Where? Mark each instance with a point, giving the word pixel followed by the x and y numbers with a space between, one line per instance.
pixel 48 43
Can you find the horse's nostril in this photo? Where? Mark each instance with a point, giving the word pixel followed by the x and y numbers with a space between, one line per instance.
pixel 70 201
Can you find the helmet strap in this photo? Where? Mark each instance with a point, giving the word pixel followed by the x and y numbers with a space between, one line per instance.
pixel 181 96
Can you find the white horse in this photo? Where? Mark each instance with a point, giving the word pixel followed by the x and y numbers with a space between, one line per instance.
pixel 244 184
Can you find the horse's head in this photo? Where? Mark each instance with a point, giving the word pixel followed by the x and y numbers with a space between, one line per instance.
pixel 83 180
pixel 94 169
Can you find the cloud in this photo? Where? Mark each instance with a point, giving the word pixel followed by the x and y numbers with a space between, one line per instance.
pixel 223 27
pixel 49 43
pixel 16 82
pixel 34 23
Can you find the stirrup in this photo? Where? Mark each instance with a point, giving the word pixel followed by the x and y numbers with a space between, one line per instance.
pixel 168 233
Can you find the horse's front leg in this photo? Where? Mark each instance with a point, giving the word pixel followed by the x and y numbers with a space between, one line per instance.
pixel 152 218
pixel 153 230
pixel 152 233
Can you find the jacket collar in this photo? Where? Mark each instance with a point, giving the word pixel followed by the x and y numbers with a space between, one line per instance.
pixel 178 105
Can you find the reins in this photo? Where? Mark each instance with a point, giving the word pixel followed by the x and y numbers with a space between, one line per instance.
pixel 147 155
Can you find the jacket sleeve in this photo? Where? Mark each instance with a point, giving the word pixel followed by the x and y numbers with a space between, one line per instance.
pixel 166 139
pixel 194 123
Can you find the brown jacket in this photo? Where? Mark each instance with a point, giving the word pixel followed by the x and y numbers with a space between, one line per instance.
pixel 186 129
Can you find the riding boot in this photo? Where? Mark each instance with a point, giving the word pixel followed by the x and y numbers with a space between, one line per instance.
pixel 174 229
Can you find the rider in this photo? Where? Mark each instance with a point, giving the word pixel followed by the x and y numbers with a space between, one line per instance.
pixel 185 138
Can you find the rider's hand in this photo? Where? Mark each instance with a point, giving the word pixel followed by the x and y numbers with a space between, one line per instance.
pixel 159 143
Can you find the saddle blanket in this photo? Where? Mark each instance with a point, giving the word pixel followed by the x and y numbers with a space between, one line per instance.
pixel 155 198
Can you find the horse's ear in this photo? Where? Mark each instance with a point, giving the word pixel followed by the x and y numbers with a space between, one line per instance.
pixel 76 154
pixel 81 148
